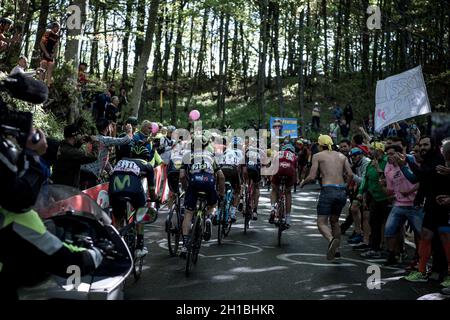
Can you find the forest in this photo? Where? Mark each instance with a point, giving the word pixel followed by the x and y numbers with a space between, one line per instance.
pixel 238 62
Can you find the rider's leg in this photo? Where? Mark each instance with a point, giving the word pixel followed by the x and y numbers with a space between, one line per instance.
pixel 187 221
pixel 288 192
pixel 255 200
pixel 273 201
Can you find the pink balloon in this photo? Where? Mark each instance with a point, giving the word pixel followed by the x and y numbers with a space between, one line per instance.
pixel 155 127
pixel 194 115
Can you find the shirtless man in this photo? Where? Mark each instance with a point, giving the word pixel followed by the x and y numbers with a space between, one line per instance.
pixel 332 166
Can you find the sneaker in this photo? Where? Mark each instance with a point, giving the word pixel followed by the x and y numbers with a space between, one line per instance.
pixel 361 247
pixel 183 252
pixel 141 252
pixel 371 254
pixel 356 239
pixel 416 276
pixel 255 215
pixel 272 217
pixel 446 282
pixel 332 247
pixel 208 230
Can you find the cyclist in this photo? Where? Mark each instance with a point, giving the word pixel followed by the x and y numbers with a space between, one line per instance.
pixel 198 174
pixel 254 157
pixel 231 163
pixel 302 156
pixel 287 169
pixel 126 181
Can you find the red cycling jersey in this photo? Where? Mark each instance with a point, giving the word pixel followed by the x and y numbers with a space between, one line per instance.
pixel 287 162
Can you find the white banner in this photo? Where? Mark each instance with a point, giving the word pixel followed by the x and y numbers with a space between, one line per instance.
pixel 401 97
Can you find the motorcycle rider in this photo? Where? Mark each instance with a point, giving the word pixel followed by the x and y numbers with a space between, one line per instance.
pixel 28 251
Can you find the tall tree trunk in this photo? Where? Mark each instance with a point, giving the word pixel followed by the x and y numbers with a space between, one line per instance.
pixel 142 66
pixel 191 41
pixel 325 36
pixel 347 36
pixel 291 43
pixel 42 24
pixel 107 54
pixel 168 36
pixel 95 68
pixel 221 64
pixel 263 13
pixel 337 40
pixel 126 39
pixel 275 44
pixel 140 28
pixel 72 52
pixel 365 43
pixel 245 61
pixel 176 63
pixel 157 60
pixel 225 62
pixel 19 28
pixel 301 79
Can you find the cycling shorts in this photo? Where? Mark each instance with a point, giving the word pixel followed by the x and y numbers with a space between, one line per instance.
pixel 288 173
pixel 232 176
pixel 254 174
pixel 200 182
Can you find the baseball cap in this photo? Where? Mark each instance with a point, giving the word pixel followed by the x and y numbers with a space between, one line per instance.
pixel 356 151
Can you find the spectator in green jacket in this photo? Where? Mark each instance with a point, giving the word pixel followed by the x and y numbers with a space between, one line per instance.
pixel 377 200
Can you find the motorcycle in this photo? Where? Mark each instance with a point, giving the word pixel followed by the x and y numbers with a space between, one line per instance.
pixel 75 218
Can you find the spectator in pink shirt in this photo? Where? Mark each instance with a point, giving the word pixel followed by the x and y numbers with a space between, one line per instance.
pixel 403 208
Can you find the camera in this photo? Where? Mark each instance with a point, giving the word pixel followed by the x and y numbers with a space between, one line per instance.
pixel 17 124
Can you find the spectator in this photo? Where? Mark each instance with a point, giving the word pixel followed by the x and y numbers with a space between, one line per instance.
pixel 112 89
pixel 432 185
pixel 112 113
pixel 344 128
pixel 101 101
pixel 144 136
pixel 412 135
pixel 22 65
pixel 71 156
pixel 360 163
pixel 5 42
pixel 334 131
pixel 123 99
pixel 378 203
pixel 315 120
pixel 348 114
pixel 403 209
pixel 337 111
pixel 82 76
pixel 49 46
pixel 91 173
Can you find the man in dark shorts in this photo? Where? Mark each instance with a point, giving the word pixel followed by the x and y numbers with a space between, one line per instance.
pixel 49 46
pixel 254 157
pixel 231 163
pixel 126 181
pixel 332 166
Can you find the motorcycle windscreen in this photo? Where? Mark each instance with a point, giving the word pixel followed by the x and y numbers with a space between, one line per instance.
pixel 56 199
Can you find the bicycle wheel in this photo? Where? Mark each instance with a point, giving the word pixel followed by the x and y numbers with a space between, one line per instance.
pixel 219 224
pixel 191 257
pixel 173 232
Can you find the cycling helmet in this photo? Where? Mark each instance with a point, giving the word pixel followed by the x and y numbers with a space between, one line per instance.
pixel 140 152
pixel 171 128
pixel 288 147
pixel 202 138
pixel 236 141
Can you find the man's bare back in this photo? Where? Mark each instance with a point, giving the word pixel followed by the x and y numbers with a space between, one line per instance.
pixel 331 165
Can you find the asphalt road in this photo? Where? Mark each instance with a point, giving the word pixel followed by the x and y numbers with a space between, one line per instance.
pixel 252 266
